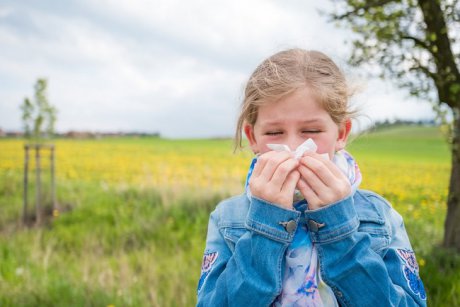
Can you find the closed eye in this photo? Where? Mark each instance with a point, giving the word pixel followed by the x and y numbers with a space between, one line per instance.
pixel 311 131
pixel 274 133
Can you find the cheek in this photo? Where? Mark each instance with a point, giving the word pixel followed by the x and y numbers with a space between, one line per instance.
pixel 263 147
pixel 325 146
pixel 259 145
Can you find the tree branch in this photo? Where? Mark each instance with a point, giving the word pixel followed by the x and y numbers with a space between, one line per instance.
pixel 366 7
pixel 424 69
pixel 417 41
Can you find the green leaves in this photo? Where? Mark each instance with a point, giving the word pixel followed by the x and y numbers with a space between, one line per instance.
pixel 39 114
pixel 411 40
pixel 454 89
pixel 27 110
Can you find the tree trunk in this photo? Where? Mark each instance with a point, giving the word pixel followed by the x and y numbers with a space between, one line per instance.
pixel 452 224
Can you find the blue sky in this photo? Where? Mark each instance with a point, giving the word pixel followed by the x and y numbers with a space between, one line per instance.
pixel 174 67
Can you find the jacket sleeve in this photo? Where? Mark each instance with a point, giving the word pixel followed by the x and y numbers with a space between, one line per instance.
pixel 358 275
pixel 250 273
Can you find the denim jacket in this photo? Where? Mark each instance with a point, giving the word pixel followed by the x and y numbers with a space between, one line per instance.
pixel 364 252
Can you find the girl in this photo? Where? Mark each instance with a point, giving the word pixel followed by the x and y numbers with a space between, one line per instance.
pixel 303 234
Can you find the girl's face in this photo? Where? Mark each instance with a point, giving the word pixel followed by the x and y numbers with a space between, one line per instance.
pixel 292 120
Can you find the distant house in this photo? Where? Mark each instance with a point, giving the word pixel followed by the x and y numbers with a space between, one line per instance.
pixel 79 134
pixel 14 134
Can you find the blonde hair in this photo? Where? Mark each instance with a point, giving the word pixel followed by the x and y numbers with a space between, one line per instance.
pixel 289 70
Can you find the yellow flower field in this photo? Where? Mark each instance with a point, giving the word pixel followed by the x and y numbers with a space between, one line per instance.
pixel 162 164
pixel 212 166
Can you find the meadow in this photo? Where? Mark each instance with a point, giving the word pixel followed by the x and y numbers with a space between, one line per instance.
pixel 133 215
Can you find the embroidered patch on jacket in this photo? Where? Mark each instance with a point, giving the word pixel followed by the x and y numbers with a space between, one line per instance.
pixel 208 260
pixel 411 272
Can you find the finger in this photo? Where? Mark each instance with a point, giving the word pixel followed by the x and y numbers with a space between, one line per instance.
pixel 314 182
pixel 262 160
pixel 273 160
pixel 319 168
pixel 326 193
pixel 259 166
pixel 309 194
pixel 330 165
pixel 290 183
pixel 282 172
pixel 335 170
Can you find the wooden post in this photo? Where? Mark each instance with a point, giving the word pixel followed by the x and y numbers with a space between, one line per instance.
pixel 53 179
pixel 38 189
pixel 38 181
pixel 26 183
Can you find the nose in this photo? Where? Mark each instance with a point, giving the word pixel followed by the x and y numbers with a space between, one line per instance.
pixel 293 141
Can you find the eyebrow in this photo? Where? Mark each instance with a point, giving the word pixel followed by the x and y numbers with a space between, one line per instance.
pixel 308 121
pixel 313 120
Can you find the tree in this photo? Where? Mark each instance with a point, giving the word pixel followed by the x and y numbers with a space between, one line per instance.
pixel 39 117
pixel 415 43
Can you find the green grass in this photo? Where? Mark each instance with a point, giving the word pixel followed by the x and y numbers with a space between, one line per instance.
pixel 125 248
pixel 403 144
pixel 131 246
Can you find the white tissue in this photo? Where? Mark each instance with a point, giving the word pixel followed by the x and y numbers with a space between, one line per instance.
pixel 307 146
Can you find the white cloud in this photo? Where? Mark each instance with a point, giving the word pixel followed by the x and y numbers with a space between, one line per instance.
pixel 177 67
pixel 5 11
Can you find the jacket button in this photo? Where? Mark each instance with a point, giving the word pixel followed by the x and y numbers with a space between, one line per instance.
pixel 314 226
pixel 291 225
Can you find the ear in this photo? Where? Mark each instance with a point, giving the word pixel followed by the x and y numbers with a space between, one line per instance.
pixel 344 132
pixel 249 132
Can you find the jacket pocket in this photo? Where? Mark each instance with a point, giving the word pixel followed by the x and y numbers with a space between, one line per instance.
pixel 378 232
pixel 232 235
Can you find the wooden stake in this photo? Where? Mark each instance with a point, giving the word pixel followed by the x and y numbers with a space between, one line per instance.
pixel 26 183
pixel 53 179
pixel 38 180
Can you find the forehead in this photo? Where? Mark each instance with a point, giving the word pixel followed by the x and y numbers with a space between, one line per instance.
pixel 301 105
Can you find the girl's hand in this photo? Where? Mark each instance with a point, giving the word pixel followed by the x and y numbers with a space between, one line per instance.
pixel 321 183
pixel 275 177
